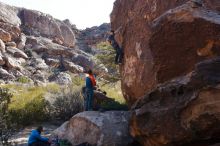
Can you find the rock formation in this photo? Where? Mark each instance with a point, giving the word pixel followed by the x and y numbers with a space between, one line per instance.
pixel 31 40
pixel 170 72
pixel 95 128
pixel 156 35
pixel 90 37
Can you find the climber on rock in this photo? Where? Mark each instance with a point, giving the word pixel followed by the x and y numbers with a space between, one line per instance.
pixel 90 87
pixel 118 49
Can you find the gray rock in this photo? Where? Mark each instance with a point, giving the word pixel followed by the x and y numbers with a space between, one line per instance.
pixel 102 129
pixel 83 61
pixel 61 78
pixel 5 75
pixel 31 40
pixel 52 62
pixel 22 41
pixel 12 63
pixel 17 53
pixel 72 67
pixel 37 23
pixel 9 14
pixel 2 46
pixel 11 44
pixel 39 76
pixel 38 63
pixel 2 61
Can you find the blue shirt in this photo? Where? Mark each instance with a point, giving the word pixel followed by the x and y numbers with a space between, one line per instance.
pixel 89 83
pixel 35 136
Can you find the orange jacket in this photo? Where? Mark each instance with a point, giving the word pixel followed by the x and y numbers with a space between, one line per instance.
pixel 92 78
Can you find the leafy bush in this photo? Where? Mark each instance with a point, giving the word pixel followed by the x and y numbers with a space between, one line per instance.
pixel 23 79
pixel 5 125
pixel 28 103
pixel 35 110
pixel 66 105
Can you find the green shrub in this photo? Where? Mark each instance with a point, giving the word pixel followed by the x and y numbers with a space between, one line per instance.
pixel 5 125
pixel 23 79
pixel 66 105
pixel 32 111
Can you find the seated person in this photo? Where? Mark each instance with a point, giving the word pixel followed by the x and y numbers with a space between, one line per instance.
pixel 36 139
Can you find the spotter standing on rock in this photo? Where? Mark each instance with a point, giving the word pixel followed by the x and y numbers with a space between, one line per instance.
pixel 90 86
pixel 118 49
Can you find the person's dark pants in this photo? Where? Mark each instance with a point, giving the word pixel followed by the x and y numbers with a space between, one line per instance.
pixel 39 143
pixel 119 55
pixel 89 99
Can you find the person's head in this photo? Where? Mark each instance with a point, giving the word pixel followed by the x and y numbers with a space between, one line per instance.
pixel 39 129
pixel 112 32
pixel 89 72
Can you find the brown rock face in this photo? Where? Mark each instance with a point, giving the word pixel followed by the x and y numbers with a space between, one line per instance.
pixel 188 107
pixel 162 40
pixel 170 72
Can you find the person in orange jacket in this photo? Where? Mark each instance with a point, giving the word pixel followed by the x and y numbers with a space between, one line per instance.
pixel 90 86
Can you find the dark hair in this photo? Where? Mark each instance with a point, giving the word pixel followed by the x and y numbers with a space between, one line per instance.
pixel 113 31
pixel 89 71
pixel 39 129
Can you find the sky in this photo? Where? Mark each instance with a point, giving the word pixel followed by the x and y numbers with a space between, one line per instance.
pixel 82 13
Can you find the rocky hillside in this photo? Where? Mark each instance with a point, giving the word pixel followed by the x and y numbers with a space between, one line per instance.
pixel 37 46
pixel 170 72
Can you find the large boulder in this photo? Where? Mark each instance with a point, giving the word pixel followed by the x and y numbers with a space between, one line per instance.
pixel 188 108
pixel 170 72
pixel 40 24
pixel 95 128
pixel 9 14
pixel 162 40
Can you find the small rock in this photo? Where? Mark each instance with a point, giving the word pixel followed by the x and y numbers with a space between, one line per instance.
pixel 61 78
pixel 11 44
pixel 22 41
pixel 72 67
pixel 16 52
pixel 2 46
